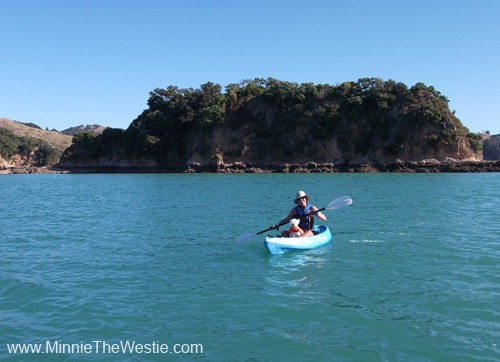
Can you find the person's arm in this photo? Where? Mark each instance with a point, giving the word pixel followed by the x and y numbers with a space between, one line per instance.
pixel 319 214
pixel 286 219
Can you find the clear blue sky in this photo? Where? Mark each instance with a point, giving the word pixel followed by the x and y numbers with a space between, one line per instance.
pixel 69 62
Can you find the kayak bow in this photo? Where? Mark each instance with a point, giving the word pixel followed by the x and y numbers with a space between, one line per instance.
pixel 278 244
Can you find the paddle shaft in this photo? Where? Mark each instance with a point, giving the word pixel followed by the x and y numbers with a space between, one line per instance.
pixel 271 228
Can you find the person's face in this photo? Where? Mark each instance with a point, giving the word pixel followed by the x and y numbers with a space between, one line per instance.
pixel 303 201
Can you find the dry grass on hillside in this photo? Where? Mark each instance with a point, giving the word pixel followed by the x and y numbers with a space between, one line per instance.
pixel 56 139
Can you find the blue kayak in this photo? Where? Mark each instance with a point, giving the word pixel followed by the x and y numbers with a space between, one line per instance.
pixel 278 244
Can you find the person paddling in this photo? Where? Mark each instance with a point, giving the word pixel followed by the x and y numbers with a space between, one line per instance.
pixel 305 212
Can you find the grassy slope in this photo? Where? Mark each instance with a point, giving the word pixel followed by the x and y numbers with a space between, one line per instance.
pixel 56 139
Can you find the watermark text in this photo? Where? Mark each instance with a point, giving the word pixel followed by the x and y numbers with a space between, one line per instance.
pixel 103 347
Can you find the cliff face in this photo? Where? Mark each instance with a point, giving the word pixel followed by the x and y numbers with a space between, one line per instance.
pixel 492 147
pixel 298 146
pixel 264 122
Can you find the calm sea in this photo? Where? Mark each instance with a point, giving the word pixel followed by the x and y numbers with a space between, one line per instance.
pixel 93 266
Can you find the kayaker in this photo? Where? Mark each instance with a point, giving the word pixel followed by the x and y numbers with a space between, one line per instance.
pixel 305 212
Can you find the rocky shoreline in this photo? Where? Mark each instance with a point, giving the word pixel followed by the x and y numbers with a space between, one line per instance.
pixel 425 166
pixel 24 170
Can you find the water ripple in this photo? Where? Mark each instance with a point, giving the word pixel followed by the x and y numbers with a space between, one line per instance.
pixel 411 272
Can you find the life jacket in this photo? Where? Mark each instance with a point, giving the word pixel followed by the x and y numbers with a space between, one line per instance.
pixel 296 229
pixel 306 221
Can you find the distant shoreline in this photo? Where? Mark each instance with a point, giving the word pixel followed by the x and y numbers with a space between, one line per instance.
pixel 425 166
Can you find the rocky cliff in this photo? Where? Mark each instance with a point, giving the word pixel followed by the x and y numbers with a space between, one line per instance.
pixel 265 122
pixel 491 147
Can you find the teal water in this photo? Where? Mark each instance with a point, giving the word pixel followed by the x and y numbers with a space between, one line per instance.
pixel 412 272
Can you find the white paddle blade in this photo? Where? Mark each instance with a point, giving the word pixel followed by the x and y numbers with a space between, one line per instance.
pixel 246 237
pixel 339 202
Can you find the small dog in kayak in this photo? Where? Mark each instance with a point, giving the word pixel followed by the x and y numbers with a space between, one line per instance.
pixel 295 231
